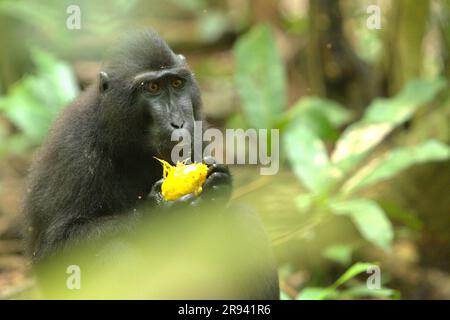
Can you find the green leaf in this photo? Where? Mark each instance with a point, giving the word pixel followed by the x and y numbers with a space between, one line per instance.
pixel 320 115
pixel 356 142
pixel 303 202
pixel 369 219
pixel 395 161
pixel 308 158
pixel 334 112
pixel 314 293
pixel 363 291
pixel 260 77
pixel 400 108
pixel 352 272
pixel 33 102
pixel 317 293
pixel 381 117
pixel 23 109
pixel 341 254
pixel 213 25
pixel 397 213
pixel 56 76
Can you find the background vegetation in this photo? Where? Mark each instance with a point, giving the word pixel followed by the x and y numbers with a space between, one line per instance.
pixel 363 116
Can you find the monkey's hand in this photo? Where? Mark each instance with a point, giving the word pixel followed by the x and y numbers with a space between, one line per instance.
pixel 217 188
pixel 218 185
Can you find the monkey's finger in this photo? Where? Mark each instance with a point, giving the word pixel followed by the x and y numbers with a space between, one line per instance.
pixel 155 195
pixel 217 178
pixel 157 186
pixel 218 168
pixel 184 200
pixel 209 160
pixel 217 187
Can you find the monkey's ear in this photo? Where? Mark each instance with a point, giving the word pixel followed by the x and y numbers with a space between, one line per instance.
pixel 103 81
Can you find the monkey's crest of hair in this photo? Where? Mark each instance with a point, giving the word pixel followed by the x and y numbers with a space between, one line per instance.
pixel 141 51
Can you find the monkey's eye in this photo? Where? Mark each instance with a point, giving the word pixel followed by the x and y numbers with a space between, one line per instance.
pixel 177 83
pixel 153 87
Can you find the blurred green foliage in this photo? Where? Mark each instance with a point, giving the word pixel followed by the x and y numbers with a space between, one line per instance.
pixel 334 156
pixel 169 256
pixel 333 181
pixel 333 291
pixel 359 158
pixel 33 103
pixel 308 157
pixel 99 18
pixel 260 78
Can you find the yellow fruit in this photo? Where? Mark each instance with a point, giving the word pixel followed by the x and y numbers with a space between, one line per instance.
pixel 182 179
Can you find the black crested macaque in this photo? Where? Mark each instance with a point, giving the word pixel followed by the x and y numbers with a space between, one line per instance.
pixel 93 197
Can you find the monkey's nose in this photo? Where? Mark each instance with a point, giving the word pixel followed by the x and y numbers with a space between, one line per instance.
pixel 177 124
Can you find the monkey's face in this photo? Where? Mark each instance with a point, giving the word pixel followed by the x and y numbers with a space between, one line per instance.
pixel 148 95
pixel 166 99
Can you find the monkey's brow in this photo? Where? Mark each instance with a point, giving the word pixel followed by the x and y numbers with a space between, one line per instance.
pixel 151 75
